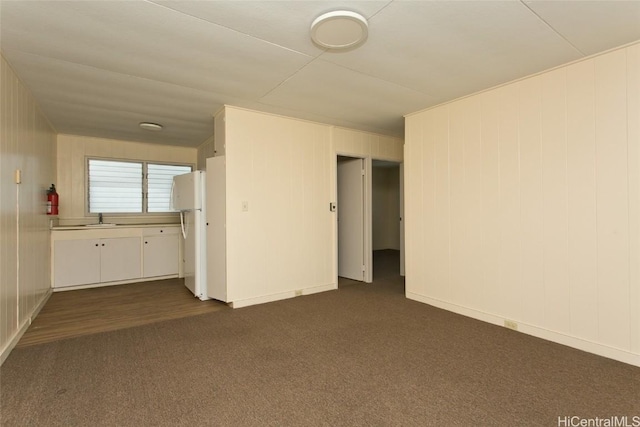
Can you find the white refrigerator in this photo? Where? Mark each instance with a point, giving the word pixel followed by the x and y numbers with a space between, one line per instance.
pixel 189 197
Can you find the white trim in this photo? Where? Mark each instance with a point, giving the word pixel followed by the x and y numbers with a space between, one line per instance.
pixel 119 282
pixel 570 341
pixel 282 295
pixel 4 353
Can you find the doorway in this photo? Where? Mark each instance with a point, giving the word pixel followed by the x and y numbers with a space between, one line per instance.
pixel 351 218
pixel 386 210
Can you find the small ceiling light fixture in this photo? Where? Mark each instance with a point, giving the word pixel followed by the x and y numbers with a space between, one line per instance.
pixel 339 30
pixel 150 126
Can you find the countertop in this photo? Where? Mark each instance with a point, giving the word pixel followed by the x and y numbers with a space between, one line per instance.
pixel 111 226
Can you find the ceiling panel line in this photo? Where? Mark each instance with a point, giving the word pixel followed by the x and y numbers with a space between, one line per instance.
pixel 292 75
pixel 134 76
pixel 381 9
pixel 378 77
pixel 553 29
pixel 226 27
pixel 120 110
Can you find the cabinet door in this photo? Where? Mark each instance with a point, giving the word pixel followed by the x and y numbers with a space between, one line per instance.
pixel 120 259
pixel 76 262
pixel 160 255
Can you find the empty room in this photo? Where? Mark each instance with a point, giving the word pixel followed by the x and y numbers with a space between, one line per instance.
pixel 306 213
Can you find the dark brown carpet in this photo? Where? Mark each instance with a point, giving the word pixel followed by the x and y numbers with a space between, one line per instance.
pixel 359 356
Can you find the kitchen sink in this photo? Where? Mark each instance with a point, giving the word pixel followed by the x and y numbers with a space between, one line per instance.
pixel 104 224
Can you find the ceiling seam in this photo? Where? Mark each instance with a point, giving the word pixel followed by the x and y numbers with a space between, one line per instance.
pixel 381 79
pixel 227 28
pixel 121 73
pixel 288 78
pixel 127 111
pixel 382 8
pixel 551 28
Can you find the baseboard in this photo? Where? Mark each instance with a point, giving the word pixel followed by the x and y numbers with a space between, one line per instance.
pixel 120 282
pixel 6 350
pixel 282 295
pixel 318 289
pixel 570 341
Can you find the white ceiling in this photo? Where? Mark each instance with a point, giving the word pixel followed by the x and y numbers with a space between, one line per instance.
pixel 98 68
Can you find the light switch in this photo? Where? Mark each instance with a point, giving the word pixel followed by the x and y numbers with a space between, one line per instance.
pixel 245 206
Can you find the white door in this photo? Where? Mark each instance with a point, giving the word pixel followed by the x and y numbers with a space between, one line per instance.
pixel 189 261
pixel 351 218
pixel 216 229
pixel 402 219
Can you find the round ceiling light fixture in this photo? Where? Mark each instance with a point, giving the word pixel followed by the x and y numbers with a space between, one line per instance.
pixel 339 30
pixel 151 126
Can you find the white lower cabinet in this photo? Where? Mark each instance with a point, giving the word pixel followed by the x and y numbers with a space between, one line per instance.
pixel 76 262
pixel 89 261
pixel 120 259
pixel 83 257
pixel 161 252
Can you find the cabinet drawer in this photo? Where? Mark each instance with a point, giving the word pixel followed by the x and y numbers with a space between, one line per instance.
pixel 160 231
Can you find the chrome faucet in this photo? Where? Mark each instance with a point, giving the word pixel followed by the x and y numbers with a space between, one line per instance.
pixel 100 218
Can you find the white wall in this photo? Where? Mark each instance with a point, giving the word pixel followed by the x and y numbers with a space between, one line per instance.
pixel 350 142
pixel 283 243
pixel 285 169
pixel 27 143
pixel 72 153
pixel 369 146
pixel 386 208
pixel 205 150
pixel 523 203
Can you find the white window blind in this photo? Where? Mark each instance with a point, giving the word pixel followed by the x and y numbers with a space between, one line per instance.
pixel 115 186
pixel 159 181
pixel 119 186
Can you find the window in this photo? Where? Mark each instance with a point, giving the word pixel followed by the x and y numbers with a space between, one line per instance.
pixel 159 182
pixel 120 186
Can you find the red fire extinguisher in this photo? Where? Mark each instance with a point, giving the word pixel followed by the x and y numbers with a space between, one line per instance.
pixel 52 201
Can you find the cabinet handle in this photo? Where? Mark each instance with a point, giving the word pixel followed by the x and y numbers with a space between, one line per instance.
pixel 96 244
pixel 103 244
pixel 162 231
pixel 146 243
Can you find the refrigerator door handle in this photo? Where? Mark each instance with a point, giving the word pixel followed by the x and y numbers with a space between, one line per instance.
pixel 184 227
pixel 171 203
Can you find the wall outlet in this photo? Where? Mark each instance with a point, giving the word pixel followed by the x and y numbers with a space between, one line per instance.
pixel 511 324
pixel 299 293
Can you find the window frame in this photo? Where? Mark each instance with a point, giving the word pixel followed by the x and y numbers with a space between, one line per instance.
pixel 145 185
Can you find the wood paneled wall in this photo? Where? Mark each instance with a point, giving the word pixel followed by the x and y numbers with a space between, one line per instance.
pixel 73 151
pixel 281 168
pixel 28 144
pixel 350 142
pixel 205 150
pixel 523 203
pixel 284 168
